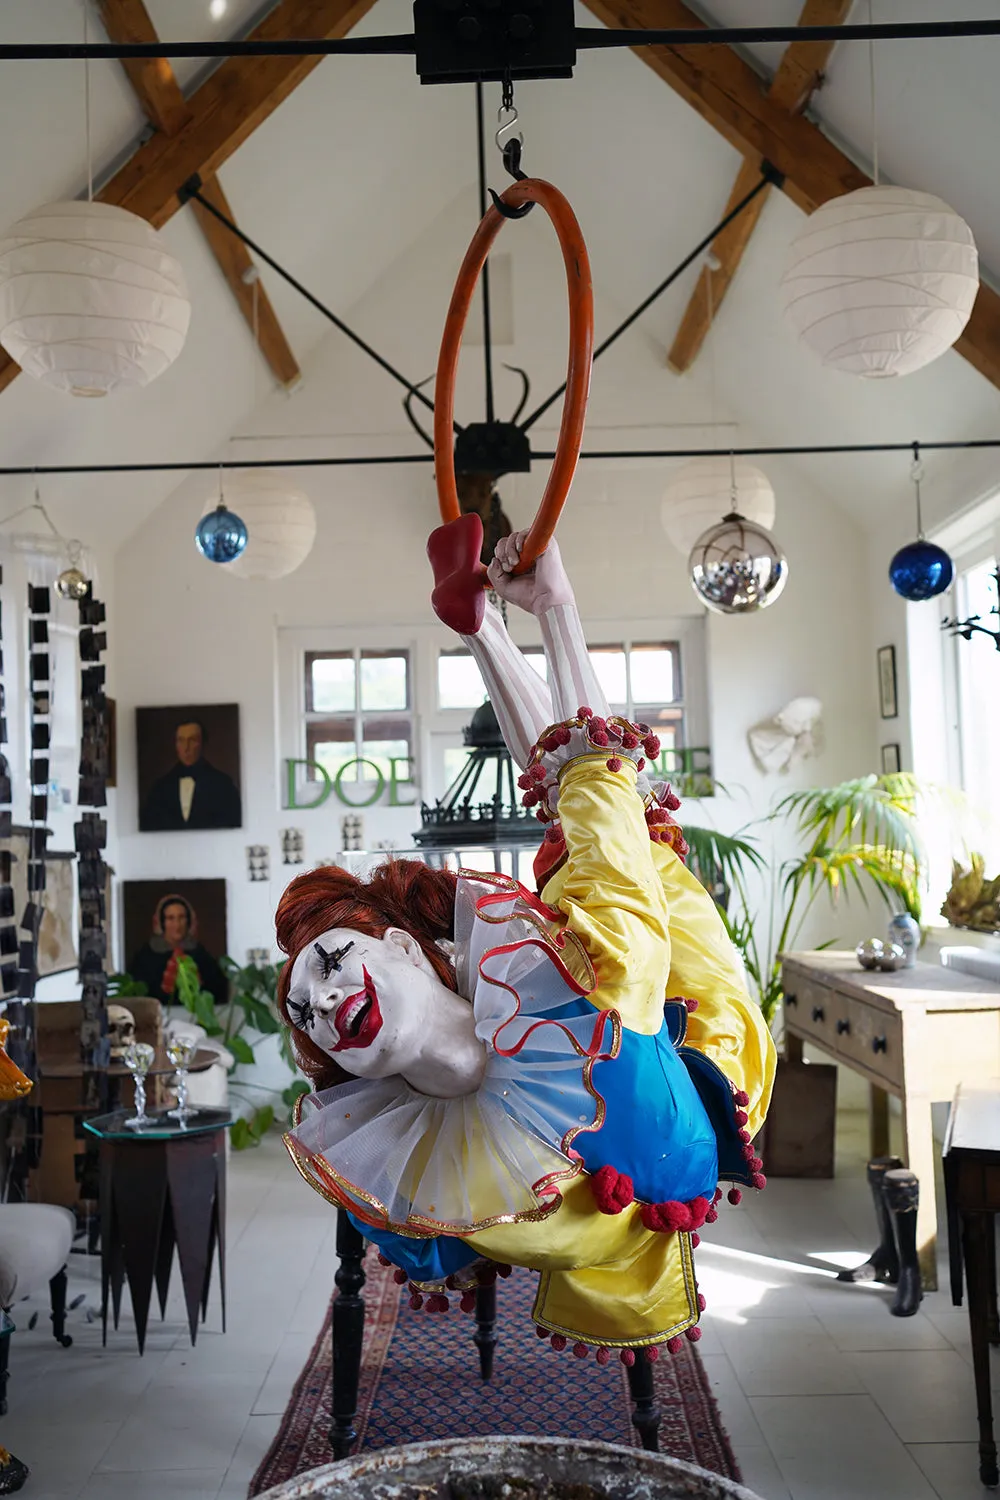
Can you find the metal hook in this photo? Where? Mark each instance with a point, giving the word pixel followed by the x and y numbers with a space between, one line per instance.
pixel 507 127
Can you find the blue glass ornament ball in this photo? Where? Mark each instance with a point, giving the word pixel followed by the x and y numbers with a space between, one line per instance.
pixel 920 570
pixel 220 536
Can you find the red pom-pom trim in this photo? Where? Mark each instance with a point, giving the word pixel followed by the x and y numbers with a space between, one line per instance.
pixel 702 1304
pixel 416 1302
pixel 745 1137
pixel 583 712
pixel 627 1357
pixel 759 1181
pixel 400 1277
pixel 711 1216
pixel 742 1118
pixel 651 745
pixel 716 1196
pixel 692 1335
pixel 438 1304
pixel 735 1196
pixel 630 741
pixel 538 773
pixel 695 1241
pixel 675 1345
pixel 581 1351
pixel 612 1190
pixel 468 1302
pixel 543 1333
pixel 529 799
pixel 558 1342
pixel 614 764
pixel 599 737
pixel 524 781
pixel 652 1354
pixel 742 1098
pixel 384 1260
pixel 603 1356
pixel 692 1006
pixel 563 735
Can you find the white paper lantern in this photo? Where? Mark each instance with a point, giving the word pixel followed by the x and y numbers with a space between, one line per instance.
pixel 881 281
pixel 700 494
pixel 280 522
pixel 90 301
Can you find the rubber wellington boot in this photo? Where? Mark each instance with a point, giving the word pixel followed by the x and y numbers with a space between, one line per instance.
pixel 883 1263
pixel 902 1195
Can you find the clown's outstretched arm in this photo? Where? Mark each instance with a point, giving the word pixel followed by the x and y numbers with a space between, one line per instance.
pixel 546 593
pixel 518 694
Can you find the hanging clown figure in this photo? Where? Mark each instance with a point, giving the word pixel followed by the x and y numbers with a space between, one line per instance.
pixel 558 1080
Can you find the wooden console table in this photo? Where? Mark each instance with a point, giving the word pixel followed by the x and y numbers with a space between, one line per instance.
pixel 915 1033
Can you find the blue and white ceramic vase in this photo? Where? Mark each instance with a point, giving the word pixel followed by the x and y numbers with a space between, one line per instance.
pixel 905 930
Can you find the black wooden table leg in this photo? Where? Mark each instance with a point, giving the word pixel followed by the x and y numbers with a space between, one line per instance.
pixel 994 1321
pixel 977 1232
pixel 347 1334
pixel 57 1294
pixel 485 1336
pixel 645 1413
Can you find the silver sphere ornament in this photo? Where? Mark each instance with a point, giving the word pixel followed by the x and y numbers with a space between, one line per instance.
pixel 893 957
pixel 870 952
pixel 220 536
pixel 71 584
pixel 736 568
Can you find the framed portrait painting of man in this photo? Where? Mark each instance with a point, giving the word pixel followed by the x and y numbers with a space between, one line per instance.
pixel 167 919
pixel 189 767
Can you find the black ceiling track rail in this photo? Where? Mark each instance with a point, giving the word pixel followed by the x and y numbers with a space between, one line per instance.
pixel 586 37
pixel 797 450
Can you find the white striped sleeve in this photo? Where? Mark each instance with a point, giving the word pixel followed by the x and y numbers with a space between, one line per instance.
pixel 519 696
pixel 571 673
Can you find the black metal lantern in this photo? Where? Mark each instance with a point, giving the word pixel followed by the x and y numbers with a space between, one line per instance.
pixel 482 807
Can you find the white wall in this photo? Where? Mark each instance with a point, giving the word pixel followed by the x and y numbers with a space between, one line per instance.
pixel 182 632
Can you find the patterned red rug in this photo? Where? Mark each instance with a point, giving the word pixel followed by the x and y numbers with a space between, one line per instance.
pixel 420 1380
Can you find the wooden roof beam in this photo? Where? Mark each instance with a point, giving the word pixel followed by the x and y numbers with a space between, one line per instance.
pixel 727 93
pixel 225 111
pixel 161 97
pixel 799 73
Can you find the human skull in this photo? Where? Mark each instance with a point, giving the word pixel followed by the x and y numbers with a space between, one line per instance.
pixel 121 1029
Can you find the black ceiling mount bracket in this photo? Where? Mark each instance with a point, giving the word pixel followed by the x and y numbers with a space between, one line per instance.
pixel 492 448
pixel 472 41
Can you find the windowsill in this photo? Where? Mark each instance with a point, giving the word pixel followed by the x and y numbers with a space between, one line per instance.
pixel 956 937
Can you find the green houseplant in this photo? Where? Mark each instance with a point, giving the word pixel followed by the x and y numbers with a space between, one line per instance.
pixel 857 838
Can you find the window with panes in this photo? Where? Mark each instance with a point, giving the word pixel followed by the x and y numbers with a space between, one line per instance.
pixel 358 707
pixel 641 679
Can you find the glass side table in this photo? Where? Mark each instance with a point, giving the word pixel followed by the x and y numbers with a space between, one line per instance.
pixel 163 1188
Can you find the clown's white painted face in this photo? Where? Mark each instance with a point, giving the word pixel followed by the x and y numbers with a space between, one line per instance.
pixel 364 1000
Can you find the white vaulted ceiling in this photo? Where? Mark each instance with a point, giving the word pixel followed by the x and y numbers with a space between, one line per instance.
pixel 360 161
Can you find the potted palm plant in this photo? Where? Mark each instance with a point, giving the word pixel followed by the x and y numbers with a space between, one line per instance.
pixel 858 838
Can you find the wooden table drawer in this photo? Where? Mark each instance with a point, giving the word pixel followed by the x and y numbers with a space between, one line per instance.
pixel 814 1011
pixel 873 1039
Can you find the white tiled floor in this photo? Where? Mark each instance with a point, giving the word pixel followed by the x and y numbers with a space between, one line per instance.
pixel 824 1394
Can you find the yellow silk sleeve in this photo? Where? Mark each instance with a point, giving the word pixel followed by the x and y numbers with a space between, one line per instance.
pixel 610 893
pixel 727 1026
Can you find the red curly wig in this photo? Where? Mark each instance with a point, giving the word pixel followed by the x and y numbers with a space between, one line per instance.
pixel 401 893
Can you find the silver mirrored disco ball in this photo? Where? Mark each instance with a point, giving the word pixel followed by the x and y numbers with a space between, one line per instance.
pixel 736 567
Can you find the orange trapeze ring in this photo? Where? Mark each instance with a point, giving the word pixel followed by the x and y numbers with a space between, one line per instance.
pixel 581 353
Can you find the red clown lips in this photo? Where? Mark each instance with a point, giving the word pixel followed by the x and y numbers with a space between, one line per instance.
pixel 358 1019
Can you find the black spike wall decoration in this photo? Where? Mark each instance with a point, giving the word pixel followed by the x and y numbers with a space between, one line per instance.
pixel 91 836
